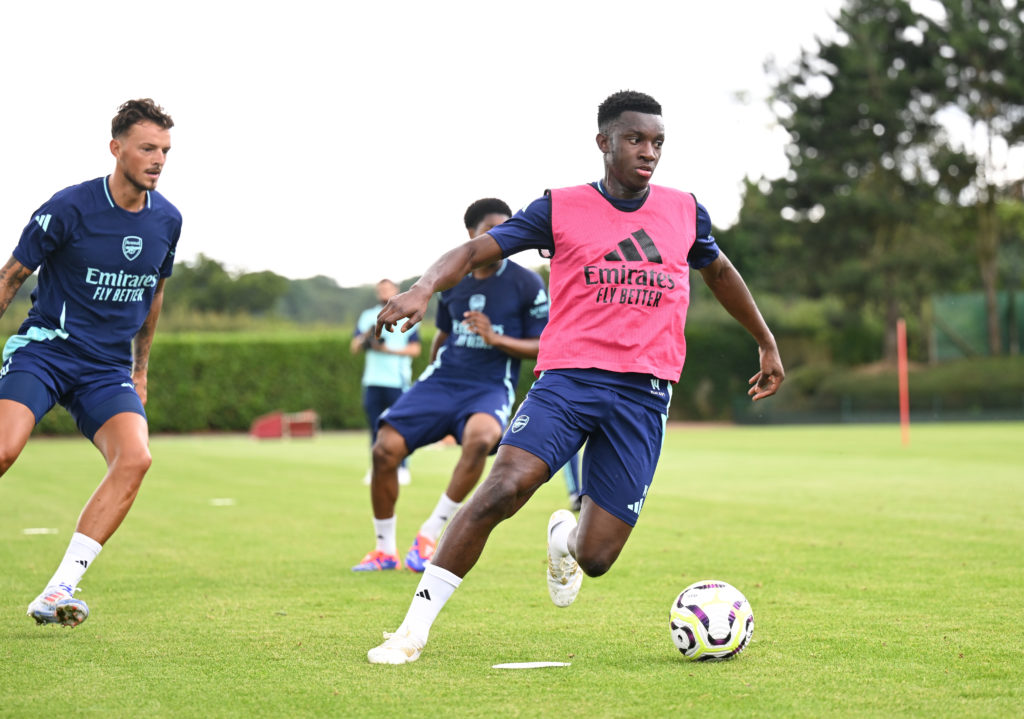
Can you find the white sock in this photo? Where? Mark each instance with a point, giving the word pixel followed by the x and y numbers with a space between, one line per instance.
pixel 384 529
pixel 435 588
pixel 444 511
pixel 559 540
pixel 82 550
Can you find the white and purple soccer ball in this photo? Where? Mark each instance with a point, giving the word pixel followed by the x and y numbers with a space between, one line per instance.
pixel 711 620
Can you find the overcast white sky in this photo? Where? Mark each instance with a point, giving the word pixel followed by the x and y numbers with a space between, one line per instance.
pixel 347 139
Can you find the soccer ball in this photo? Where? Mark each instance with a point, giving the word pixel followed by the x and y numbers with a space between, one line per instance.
pixel 711 620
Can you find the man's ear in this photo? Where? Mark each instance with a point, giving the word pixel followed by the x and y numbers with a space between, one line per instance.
pixel 604 142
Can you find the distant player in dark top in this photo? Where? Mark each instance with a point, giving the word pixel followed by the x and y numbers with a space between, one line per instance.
pixel 104 249
pixel 621 253
pixel 486 324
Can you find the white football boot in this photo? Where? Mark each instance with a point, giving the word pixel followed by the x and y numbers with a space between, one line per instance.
pixel 57 605
pixel 399 647
pixel 564 574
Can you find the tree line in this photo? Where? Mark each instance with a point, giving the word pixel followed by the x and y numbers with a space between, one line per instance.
pixel 204 286
pixel 901 125
pixel 901 128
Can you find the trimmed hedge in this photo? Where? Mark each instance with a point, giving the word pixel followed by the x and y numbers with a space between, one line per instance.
pixel 222 382
pixel 984 388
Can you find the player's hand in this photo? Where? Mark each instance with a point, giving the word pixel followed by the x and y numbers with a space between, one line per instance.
pixel 766 382
pixel 141 382
pixel 371 342
pixel 478 323
pixel 410 305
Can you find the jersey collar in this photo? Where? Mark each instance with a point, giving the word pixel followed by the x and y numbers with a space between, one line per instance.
pixel 110 199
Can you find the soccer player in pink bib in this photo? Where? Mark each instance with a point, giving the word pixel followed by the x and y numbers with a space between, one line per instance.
pixel 621 251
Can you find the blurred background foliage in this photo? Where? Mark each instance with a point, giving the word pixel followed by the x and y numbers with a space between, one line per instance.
pixel 904 199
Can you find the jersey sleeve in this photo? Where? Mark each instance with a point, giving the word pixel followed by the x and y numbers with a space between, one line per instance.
pixel 535 305
pixel 46 232
pixel 528 229
pixel 705 249
pixel 168 265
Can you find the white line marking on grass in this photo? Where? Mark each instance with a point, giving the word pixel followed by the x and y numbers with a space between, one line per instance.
pixel 531 665
pixel 222 502
pixel 39 530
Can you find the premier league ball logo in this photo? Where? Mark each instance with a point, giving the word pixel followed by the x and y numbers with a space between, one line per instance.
pixel 131 246
pixel 477 302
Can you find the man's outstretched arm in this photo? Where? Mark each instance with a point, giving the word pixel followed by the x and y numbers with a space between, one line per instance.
pixel 446 272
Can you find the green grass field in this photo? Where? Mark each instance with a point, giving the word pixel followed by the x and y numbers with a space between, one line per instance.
pixel 885 580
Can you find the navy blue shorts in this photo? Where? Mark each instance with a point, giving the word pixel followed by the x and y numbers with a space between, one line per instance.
pixel 623 438
pixel 433 408
pixel 42 374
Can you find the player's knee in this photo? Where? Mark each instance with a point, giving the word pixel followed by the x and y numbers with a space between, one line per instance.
pixel 385 454
pixel 134 461
pixel 479 446
pixel 594 565
pixel 497 499
pixel 595 557
pixel 7 457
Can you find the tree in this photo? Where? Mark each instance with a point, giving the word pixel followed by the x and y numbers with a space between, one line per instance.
pixel 772 253
pixel 205 286
pixel 320 299
pixel 256 292
pixel 862 182
pixel 1011 249
pixel 980 46
pixel 202 285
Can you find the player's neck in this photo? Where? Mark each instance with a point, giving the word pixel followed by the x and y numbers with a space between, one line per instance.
pixel 616 189
pixel 125 194
pixel 482 273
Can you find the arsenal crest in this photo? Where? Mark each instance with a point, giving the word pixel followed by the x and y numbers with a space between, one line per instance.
pixel 131 246
pixel 477 302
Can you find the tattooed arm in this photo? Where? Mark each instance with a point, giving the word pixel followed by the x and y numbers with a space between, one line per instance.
pixel 143 340
pixel 12 276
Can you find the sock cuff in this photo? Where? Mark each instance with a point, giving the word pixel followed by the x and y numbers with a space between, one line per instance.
pixel 442 574
pixel 87 542
pixel 447 502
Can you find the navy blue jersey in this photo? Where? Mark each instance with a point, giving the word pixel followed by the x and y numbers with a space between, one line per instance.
pixel 530 228
pixel 515 301
pixel 99 265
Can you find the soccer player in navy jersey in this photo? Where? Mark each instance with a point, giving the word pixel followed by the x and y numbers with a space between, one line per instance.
pixel 105 248
pixel 486 324
pixel 621 254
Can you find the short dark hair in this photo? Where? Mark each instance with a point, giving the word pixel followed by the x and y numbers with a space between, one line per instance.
pixel 625 101
pixel 136 111
pixel 476 212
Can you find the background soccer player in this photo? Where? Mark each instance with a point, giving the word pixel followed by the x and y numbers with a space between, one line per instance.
pixel 387 371
pixel 107 246
pixel 486 324
pixel 621 252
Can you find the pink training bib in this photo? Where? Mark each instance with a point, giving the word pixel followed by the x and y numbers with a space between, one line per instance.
pixel 620 283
